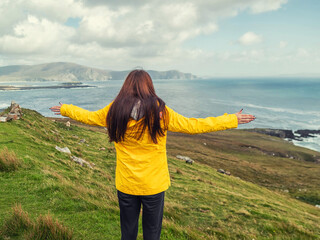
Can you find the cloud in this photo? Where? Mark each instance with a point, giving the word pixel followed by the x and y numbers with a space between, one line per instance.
pixel 116 32
pixel 35 35
pixel 254 55
pixel 249 38
pixel 283 44
pixel 267 5
pixel 302 53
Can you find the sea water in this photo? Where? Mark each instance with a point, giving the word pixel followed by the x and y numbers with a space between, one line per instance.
pixel 277 103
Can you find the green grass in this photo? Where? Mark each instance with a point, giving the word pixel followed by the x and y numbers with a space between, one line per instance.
pixel 44 228
pixel 8 160
pixel 264 160
pixel 200 204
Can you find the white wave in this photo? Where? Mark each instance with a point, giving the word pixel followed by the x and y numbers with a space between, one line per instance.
pixel 4 105
pixel 285 110
pixel 310 142
pixel 273 109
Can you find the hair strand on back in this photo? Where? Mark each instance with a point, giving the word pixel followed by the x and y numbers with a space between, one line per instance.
pixel 137 96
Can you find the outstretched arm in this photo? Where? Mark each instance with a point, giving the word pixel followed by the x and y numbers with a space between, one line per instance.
pixel 179 123
pixel 79 114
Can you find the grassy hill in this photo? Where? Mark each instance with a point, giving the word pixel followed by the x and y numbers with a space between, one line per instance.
pixel 200 204
pixel 261 159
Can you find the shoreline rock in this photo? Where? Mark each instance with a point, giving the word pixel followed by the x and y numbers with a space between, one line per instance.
pixel 305 133
pixel 297 135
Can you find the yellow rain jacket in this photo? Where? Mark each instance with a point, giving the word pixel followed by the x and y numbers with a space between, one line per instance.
pixel 142 167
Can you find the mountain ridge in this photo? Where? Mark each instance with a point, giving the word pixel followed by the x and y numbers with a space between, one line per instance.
pixel 66 71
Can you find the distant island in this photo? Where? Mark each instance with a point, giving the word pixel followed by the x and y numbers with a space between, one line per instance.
pixel 68 72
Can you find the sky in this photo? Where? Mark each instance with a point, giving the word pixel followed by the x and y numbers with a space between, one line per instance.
pixel 209 38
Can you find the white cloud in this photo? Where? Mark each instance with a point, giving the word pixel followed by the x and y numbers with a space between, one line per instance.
pixel 302 53
pixel 267 5
pixel 249 38
pixel 255 55
pixel 283 44
pixel 116 33
pixel 35 35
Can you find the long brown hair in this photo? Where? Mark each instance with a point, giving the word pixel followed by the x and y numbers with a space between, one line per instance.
pixel 137 89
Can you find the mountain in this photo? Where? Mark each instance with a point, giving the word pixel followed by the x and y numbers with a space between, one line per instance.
pixel 63 71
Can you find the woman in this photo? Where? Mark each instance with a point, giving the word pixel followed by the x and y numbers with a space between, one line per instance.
pixel 137 122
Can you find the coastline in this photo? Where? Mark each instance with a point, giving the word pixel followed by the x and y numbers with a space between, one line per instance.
pixel 14 88
pixel 306 138
pixel 297 137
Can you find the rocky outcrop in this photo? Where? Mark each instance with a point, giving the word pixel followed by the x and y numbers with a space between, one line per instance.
pixel 287 134
pixel 305 133
pixel 14 114
pixel 281 133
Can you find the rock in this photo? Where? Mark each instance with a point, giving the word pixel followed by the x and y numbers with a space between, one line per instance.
pixel 281 133
pixel 307 133
pixel 82 162
pixel 64 150
pixel 190 161
pixel 318 206
pixel 185 158
pixel 102 149
pixel 224 172
pixel 288 134
pixel 14 114
pixel 3 119
pixel 82 140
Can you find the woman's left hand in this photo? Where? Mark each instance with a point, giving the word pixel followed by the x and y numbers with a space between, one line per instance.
pixel 56 109
pixel 244 118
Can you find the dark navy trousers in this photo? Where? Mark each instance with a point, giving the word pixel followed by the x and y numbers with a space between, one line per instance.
pixel 152 214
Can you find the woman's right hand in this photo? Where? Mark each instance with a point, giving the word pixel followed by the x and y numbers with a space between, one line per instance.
pixel 56 109
pixel 244 118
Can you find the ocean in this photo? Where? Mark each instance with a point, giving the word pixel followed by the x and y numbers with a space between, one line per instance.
pixel 284 103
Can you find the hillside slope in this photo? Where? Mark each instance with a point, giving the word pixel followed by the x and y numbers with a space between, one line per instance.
pixel 200 204
pixel 264 160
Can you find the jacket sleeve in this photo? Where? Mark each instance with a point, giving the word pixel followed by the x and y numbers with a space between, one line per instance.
pixel 179 123
pixel 97 118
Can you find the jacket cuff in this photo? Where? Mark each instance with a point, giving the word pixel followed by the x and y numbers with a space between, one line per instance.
pixel 234 120
pixel 63 109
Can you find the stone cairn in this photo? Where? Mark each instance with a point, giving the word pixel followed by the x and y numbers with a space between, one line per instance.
pixel 14 114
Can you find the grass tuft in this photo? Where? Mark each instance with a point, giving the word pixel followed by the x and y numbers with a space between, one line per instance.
pixel 17 223
pixel 8 160
pixel 46 228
